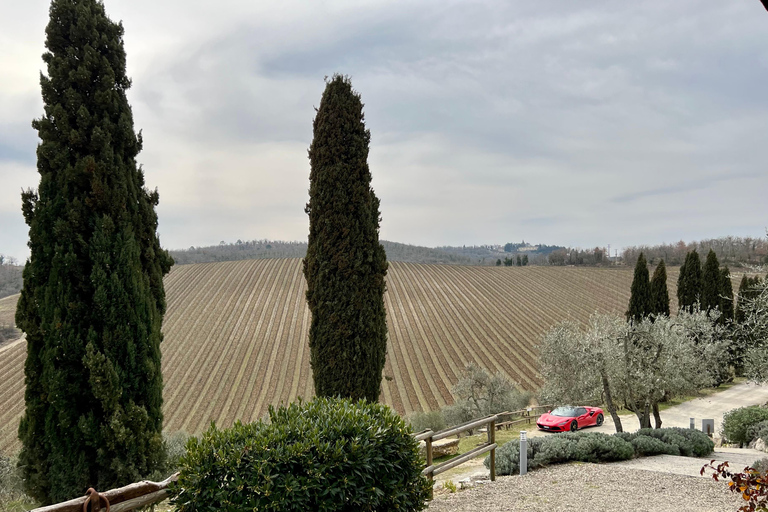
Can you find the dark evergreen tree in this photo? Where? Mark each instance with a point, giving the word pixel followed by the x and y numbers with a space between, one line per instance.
pixel 93 301
pixel 725 296
pixel 345 264
pixel 525 260
pixel 659 292
pixel 689 282
pixel 710 283
pixel 640 298
pixel 748 290
pixel 498 262
pixel 519 261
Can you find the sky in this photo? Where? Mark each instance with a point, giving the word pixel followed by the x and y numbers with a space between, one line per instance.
pixel 570 123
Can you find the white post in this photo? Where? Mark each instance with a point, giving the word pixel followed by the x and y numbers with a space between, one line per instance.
pixel 523 452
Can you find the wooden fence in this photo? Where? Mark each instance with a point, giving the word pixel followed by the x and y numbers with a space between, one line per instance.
pixel 116 500
pixel 428 436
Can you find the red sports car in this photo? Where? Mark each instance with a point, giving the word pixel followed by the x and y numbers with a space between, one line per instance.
pixel 570 418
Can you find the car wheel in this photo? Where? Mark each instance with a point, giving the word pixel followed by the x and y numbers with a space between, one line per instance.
pixel 599 420
pixel 574 426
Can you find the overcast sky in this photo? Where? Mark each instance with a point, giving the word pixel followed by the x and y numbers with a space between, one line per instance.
pixel 558 122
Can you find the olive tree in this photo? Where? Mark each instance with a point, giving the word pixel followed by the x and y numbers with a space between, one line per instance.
pixel 635 366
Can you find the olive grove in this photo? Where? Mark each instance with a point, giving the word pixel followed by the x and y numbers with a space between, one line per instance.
pixel 634 366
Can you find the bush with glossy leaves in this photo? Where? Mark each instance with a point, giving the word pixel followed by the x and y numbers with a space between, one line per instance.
pixel 325 455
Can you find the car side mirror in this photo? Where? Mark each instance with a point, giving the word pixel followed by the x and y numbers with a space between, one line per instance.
pixel 591 413
pixel 549 411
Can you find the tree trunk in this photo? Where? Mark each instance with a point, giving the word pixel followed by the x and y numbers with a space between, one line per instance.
pixel 656 415
pixel 610 404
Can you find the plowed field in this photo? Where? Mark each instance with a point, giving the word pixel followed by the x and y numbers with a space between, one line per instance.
pixel 236 334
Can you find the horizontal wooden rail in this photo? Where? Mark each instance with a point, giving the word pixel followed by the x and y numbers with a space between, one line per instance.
pixel 470 425
pixel 461 459
pixel 122 499
pixel 428 437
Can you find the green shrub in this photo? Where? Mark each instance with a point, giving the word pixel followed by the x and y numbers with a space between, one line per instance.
pixel 543 451
pixel 12 496
pixel 430 419
pixel 175 448
pixel 758 431
pixel 737 422
pixel 598 447
pixel 327 454
pixel 647 445
pixel 761 465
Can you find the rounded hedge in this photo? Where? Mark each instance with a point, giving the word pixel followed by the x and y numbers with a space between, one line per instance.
pixel 737 423
pixel 599 447
pixel 325 455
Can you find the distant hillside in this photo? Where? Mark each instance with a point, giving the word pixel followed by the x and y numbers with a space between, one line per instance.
pixel 447 255
pixel 268 249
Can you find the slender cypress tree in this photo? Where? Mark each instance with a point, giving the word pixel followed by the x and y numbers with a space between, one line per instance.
pixel 725 296
pixel 710 283
pixel 689 282
pixel 345 264
pixel 640 297
pixel 93 301
pixel 659 292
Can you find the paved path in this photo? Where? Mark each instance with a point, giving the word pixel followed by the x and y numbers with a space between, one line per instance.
pixel 710 407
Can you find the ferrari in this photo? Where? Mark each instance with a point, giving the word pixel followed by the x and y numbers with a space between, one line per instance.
pixel 569 418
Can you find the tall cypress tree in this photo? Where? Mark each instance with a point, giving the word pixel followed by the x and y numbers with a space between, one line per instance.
pixel 725 297
pixel 640 297
pixel 659 292
pixel 710 283
pixel 689 282
pixel 345 264
pixel 93 301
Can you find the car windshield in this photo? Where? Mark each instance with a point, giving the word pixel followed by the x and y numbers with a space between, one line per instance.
pixel 566 412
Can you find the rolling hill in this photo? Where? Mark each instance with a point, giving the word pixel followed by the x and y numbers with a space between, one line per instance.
pixel 236 334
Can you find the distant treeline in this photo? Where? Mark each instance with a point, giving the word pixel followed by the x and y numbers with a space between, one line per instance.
pixel 258 249
pixel 446 255
pixel 730 250
pixel 10 276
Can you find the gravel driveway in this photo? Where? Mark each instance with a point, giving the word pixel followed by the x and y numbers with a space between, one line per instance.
pixel 593 487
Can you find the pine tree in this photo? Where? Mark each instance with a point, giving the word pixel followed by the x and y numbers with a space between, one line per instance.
pixel 640 298
pixel 525 260
pixel 659 292
pixel 689 282
pixel 725 297
pixel 345 264
pixel 710 283
pixel 93 301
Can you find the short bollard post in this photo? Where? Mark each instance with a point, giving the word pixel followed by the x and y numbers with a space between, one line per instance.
pixel 708 427
pixel 523 452
pixel 693 423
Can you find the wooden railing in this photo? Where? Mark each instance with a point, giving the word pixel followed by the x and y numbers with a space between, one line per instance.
pixel 123 499
pixel 428 436
pixel 524 416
